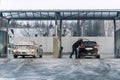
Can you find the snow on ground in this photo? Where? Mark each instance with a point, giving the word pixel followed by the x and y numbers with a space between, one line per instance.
pixel 49 68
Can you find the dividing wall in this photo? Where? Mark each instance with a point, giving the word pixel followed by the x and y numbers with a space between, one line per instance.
pixel 106 43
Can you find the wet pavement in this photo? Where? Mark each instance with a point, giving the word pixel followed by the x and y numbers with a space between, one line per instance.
pixel 49 68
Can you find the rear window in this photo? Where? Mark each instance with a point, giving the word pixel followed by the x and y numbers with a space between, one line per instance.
pixel 89 43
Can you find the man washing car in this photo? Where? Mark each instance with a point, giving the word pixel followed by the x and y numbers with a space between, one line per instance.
pixel 74 48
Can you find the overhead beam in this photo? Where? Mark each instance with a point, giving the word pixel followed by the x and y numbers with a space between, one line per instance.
pixel 71 14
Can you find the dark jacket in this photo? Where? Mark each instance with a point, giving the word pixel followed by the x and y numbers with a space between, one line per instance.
pixel 76 44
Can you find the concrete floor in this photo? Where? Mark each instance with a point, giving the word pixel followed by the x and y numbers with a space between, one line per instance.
pixel 66 56
pixel 49 68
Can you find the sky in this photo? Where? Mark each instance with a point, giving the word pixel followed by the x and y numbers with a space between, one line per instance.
pixel 59 4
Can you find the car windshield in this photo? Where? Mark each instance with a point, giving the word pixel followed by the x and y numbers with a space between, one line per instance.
pixel 89 43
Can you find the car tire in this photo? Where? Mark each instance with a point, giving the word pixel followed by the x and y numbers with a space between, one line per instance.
pixel 34 56
pixel 98 56
pixel 15 56
pixel 23 56
pixel 40 56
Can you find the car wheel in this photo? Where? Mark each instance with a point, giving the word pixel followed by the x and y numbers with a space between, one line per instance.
pixel 15 56
pixel 23 56
pixel 40 56
pixel 34 56
pixel 98 56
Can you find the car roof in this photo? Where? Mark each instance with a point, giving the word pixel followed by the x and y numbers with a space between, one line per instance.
pixel 89 43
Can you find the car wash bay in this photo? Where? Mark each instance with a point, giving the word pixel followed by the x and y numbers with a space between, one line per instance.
pixel 58 16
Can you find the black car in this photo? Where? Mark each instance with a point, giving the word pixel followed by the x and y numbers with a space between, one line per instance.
pixel 89 48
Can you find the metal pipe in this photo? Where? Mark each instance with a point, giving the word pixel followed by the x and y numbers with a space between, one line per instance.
pixel 60 39
pixel 115 54
pixel 56 26
pixel 7 37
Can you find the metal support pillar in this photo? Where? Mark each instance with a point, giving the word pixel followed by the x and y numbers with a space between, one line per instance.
pixel 0 22
pixel 82 27
pixel 60 40
pixel 115 54
pixel 1 17
pixel 78 28
pixel 56 26
pixel 8 37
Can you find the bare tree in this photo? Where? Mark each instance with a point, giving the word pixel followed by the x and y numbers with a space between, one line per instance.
pixel 26 31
